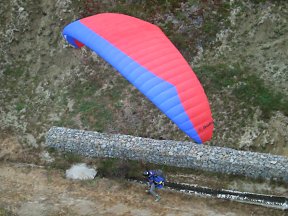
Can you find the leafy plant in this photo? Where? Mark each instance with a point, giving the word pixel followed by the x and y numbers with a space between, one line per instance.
pixel 253 90
pixel 218 77
pixel 13 72
pixel 246 87
pixel 65 160
pixel 119 168
pixel 20 106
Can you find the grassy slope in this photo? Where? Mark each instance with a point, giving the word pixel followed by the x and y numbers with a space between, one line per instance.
pixel 45 83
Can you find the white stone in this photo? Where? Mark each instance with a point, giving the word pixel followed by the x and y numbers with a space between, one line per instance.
pixel 81 172
pixel 45 156
pixel 200 154
pixel 21 9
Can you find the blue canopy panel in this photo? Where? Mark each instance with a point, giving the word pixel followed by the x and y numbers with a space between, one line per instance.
pixel 162 93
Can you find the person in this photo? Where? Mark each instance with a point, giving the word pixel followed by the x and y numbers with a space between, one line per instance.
pixel 155 180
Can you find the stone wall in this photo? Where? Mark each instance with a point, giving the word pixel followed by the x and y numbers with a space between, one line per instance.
pixel 175 153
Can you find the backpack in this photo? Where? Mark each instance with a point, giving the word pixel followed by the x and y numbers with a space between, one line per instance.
pixel 159 181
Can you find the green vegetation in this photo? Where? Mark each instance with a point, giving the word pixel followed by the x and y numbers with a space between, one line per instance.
pixel 5 212
pixel 217 77
pixel 65 160
pixel 20 106
pixel 215 20
pixel 13 72
pixel 253 90
pixel 170 17
pixel 259 1
pixel 247 88
pixel 97 99
pixel 121 169
pixel 106 167
pixel 117 168
pixel 127 169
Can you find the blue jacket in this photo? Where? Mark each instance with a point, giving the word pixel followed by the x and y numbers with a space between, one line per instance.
pixel 156 179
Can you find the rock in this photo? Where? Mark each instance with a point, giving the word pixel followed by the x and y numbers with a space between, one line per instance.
pixel 21 9
pixel 30 140
pixel 176 153
pixel 200 154
pixel 46 157
pixel 80 172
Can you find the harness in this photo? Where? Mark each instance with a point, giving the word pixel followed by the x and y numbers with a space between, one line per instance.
pixel 158 180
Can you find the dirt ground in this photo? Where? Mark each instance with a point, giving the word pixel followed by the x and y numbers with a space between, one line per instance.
pixel 38 71
pixel 33 190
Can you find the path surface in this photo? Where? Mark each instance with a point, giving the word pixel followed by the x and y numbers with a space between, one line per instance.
pixel 38 191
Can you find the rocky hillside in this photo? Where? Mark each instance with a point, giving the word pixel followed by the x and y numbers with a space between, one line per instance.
pixel 237 49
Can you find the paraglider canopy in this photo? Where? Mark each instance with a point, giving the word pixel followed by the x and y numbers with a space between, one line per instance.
pixel 142 53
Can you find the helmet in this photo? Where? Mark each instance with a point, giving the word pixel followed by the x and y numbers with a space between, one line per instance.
pixel 146 173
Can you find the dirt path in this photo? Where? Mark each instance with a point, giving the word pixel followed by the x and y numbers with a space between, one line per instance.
pixel 38 191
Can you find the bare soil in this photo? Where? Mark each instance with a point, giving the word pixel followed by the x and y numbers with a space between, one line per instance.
pixel 38 73
pixel 35 190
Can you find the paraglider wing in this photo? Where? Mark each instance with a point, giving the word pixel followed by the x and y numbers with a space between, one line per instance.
pixel 142 53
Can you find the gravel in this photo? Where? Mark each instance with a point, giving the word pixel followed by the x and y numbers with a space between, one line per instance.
pixel 169 152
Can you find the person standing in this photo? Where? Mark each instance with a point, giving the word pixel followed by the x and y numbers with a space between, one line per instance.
pixel 155 180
